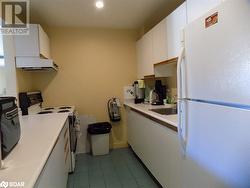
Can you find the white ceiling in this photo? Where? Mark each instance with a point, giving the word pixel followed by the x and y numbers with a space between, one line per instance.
pixel 82 13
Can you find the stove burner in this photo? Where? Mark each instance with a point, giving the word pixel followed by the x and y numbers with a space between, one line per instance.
pixel 65 107
pixel 45 112
pixel 49 108
pixel 62 111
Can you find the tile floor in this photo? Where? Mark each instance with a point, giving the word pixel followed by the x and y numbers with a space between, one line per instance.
pixel 119 169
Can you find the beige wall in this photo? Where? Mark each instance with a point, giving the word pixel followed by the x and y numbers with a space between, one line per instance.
pixel 24 80
pixel 94 64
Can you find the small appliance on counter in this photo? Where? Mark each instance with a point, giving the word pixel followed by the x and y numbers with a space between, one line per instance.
pixel 158 95
pixel 31 104
pixel 153 97
pixel 139 90
pixel 10 130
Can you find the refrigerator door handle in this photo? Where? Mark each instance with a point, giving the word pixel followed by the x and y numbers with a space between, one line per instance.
pixel 181 104
pixel 179 74
pixel 182 125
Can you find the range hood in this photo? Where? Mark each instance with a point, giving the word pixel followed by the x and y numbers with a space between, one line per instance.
pixel 35 63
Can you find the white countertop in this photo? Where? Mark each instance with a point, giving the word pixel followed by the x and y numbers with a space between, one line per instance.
pixel 144 108
pixel 38 136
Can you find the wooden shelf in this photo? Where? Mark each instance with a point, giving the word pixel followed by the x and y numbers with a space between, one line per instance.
pixel 149 77
pixel 169 61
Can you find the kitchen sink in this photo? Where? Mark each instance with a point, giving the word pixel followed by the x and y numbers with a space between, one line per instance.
pixel 165 111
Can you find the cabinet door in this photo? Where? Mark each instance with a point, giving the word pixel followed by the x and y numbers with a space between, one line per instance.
pixel 54 174
pixel 158 148
pixel 176 21
pixel 44 45
pixel 196 9
pixel 135 136
pixel 160 48
pixel 28 45
pixel 33 45
pixel 139 54
pixel 129 125
pixel 147 57
pixel 9 87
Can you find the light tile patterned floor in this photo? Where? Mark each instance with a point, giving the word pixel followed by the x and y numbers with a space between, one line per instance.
pixel 119 169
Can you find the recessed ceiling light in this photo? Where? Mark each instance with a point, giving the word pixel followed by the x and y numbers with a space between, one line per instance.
pixel 99 4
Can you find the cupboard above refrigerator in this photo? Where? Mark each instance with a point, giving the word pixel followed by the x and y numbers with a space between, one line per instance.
pixel 161 43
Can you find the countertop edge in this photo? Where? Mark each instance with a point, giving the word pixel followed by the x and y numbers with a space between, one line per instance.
pixel 167 123
pixel 31 168
pixel 42 166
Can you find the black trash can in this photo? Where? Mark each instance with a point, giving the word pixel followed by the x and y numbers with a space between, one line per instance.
pixel 99 135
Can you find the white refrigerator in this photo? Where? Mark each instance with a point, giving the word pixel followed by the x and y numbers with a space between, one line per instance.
pixel 214 98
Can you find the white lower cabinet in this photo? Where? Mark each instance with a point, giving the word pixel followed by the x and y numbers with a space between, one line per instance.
pixel 55 172
pixel 157 146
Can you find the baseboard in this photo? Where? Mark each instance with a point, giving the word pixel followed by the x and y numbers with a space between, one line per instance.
pixel 120 145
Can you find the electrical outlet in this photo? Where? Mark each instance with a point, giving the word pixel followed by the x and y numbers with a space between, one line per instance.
pixel 128 92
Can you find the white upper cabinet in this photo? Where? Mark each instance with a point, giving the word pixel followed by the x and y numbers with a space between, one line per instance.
pixel 160 47
pixel 144 50
pixel 151 49
pixel 139 54
pixel 176 21
pixel 147 46
pixel 8 68
pixel 44 44
pixel 36 44
pixel 197 8
pixel 161 43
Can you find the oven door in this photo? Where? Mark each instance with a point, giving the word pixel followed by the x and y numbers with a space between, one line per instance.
pixel 72 132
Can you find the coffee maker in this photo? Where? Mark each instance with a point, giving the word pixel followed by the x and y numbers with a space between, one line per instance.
pixel 160 92
pixel 139 91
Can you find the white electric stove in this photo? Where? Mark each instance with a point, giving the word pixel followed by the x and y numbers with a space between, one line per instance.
pixel 31 104
pixel 59 109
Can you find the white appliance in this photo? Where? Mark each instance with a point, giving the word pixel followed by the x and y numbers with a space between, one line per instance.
pixel 35 63
pixel 31 104
pixel 73 118
pixel 33 50
pixel 214 98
